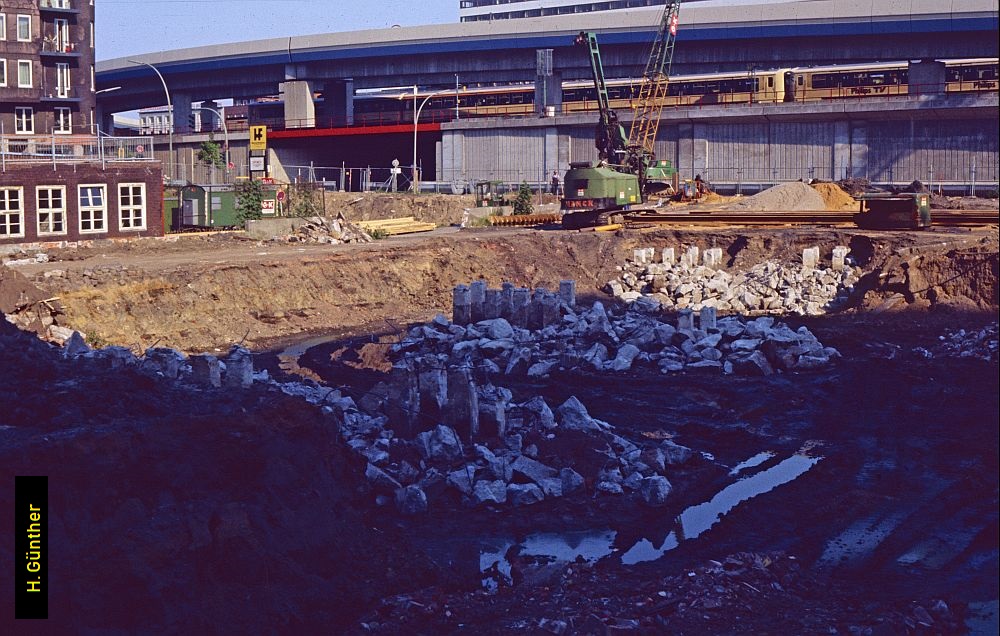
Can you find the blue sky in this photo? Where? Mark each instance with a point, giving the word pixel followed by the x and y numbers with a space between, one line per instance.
pixel 128 27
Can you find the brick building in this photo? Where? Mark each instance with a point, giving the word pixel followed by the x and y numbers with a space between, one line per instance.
pixel 47 67
pixel 81 201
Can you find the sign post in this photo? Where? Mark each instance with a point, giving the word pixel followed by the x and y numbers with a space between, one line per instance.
pixel 258 151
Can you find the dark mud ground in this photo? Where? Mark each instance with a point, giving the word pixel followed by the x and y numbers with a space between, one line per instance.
pixel 898 517
pixel 219 512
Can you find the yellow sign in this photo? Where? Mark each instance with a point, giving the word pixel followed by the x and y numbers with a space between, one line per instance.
pixel 258 137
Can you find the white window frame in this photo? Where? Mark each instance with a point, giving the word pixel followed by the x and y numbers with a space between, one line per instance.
pixel 6 212
pixel 63 82
pixel 31 74
pixel 90 212
pixel 24 125
pixel 3 27
pixel 131 216
pixel 56 215
pixel 62 123
pixel 22 18
pixel 3 72
pixel 60 31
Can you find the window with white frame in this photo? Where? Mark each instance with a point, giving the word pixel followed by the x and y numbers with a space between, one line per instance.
pixel 132 206
pixel 24 28
pixel 24 120
pixel 11 212
pixel 93 211
pixel 62 79
pixel 63 121
pixel 24 74
pixel 50 205
pixel 3 72
pixel 3 26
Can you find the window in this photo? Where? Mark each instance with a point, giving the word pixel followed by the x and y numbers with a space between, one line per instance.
pixel 93 213
pixel 132 206
pixel 24 28
pixel 51 205
pixel 63 121
pixel 24 120
pixel 3 72
pixel 24 74
pixel 62 79
pixel 11 212
pixel 3 27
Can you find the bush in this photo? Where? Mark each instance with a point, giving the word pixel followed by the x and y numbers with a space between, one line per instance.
pixel 249 195
pixel 522 204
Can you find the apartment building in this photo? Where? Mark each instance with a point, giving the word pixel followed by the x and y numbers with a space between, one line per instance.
pixel 46 67
pixel 477 10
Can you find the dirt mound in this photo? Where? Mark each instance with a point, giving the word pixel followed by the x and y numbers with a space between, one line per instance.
pixel 835 197
pixel 372 206
pixel 794 196
pixel 176 508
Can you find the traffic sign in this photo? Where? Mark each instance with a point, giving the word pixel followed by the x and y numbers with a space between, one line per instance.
pixel 139 149
pixel 281 195
pixel 267 206
pixel 258 137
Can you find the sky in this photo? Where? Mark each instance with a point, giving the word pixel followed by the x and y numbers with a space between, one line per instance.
pixel 130 27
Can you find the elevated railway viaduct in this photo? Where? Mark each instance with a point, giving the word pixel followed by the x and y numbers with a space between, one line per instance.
pixel 940 138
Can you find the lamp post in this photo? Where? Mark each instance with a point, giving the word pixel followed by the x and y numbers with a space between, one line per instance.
pixel 416 119
pixel 170 113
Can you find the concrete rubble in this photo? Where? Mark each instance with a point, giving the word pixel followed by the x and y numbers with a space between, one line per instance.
pixel 698 280
pixel 981 344
pixel 318 229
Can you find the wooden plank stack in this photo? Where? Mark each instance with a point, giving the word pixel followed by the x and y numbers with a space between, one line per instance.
pixel 401 225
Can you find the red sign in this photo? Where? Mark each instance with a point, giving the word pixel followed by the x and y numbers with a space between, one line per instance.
pixel 140 149
pixel 267 180
pixel 281 195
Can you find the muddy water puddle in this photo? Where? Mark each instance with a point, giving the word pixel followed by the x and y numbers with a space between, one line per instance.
pixel 596 544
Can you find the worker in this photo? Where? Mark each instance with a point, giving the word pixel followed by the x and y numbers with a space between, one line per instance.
pixel 555 183
pixel 699 185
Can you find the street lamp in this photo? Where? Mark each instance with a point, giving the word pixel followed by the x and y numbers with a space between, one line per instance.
pixel 416 119
pixel 170 111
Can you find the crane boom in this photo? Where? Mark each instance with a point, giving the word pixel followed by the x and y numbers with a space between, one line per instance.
pixel 609 135
pixel 653 91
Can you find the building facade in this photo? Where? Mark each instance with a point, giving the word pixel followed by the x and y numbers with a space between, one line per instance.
pixel 46 67
pixel 480 10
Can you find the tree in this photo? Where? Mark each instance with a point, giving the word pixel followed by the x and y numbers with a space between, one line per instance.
pixel 522 204
pixel 304 200
pixel 249 196
pixel 210 153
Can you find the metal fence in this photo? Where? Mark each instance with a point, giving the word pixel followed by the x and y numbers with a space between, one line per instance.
pixel 59 149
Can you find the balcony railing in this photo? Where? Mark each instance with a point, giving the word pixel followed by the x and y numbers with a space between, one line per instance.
pixel 62 6
pixel 74 148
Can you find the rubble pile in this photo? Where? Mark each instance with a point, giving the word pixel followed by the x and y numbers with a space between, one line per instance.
pixel 794 195
pixel 963 343
pixel 318 229
pixel 27 307
pixel 767 288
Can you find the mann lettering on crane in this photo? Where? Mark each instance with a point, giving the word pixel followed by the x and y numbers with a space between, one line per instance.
pixel 258 137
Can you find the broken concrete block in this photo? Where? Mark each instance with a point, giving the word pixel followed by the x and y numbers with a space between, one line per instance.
pixel 685 320
pixel 532 469
pixel 708 319
pixel 573 415
pixel 520 304
pixel 655 490
pixel 571 480
pixel 810 258
pixel 675 454
pixel 411 500
pixel 626 355
pixel 491 306
pixel 609 488
pixel 633 481
pixel 492 421
pixel 551 486
pixel 440 444
pixel 206 370
pixel 524 494
pixel 667 256
pixel 496 467
pixel 496 328
pixel 506 300
pixel 462 406
pixel 567 292
pixel 167 362
pixel 489 492
pixel 462 479
pixel 381 480
pixel 477 299
pixel 712 258
pixel 839 257
pixel 692 256
pixel 119 357
pixel 76 345
pixel 239 368
pixel 461 305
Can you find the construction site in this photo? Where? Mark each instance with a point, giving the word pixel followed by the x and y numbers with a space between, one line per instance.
pixel 617 397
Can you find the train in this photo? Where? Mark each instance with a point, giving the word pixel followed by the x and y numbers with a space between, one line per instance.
pixel 392 106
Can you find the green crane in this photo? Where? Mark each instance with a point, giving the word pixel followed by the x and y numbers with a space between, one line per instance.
pixel 627 170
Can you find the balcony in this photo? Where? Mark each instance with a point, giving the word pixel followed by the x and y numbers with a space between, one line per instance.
pixel 62 50
pixel 64 7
